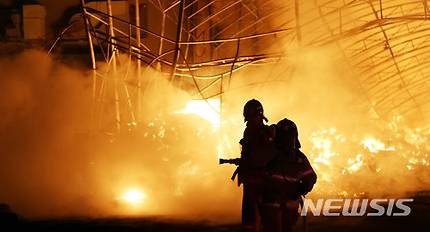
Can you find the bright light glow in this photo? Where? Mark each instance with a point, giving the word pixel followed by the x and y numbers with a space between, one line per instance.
pixel 322 145
pixel 355 164
pixel 133 197
pixel 207 109
pixel 375 145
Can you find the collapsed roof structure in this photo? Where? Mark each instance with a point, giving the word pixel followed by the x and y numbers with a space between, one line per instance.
pixel 202 43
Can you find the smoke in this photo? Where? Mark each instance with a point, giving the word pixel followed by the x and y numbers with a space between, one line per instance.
pixel 43 106
pixel 59 159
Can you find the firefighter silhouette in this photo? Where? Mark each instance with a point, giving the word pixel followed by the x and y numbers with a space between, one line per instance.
pixel 288 177
pixel 257 151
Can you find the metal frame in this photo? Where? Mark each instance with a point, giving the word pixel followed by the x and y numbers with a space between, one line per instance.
pixel 385 42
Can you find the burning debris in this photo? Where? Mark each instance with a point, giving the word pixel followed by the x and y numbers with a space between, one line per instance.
pixel 340 159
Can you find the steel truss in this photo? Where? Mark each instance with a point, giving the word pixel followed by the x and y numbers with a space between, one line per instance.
pixel 386 42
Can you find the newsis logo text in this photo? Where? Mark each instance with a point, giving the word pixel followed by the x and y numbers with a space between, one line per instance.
pixel 356 207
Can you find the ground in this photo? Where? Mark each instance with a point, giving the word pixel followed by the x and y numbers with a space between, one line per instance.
pixel 417 221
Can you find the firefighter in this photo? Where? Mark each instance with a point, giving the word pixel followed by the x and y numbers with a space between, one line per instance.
pixel 288 177
pixel 257 150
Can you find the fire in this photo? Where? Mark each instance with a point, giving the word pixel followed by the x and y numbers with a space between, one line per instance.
pixel 208 109
pixel 322 145
pixel 342 158
pixel 133 197
pixel 355 164
pixel 375 145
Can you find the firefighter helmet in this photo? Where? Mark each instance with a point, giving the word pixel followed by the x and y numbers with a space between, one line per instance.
pixel 253 109
pixel 286 130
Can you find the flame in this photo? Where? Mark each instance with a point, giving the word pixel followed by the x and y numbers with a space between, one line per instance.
pixel 207 109
pixel 323 146
pixel 133 197
pixel 374 145
pixel 355 164
pixel 340 157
